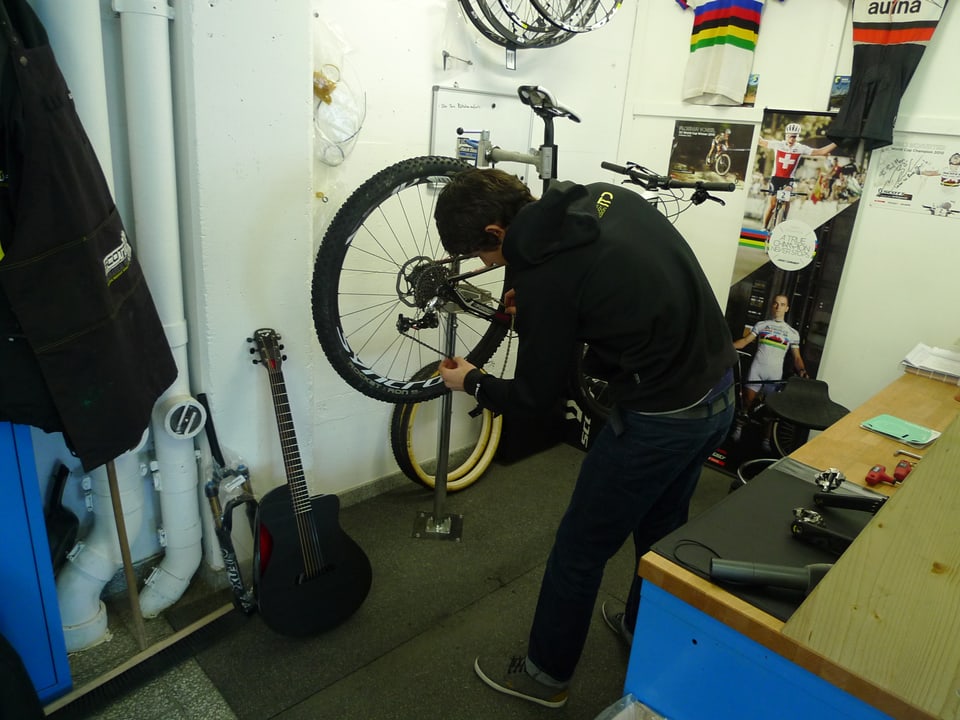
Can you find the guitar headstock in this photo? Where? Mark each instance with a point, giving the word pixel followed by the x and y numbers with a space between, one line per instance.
pixel 267 344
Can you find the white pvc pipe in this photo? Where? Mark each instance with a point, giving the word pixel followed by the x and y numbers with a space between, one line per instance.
pixel 97 558
pixel 145 42
pixel 76 36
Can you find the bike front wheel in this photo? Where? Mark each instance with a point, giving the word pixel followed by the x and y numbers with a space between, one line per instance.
pixel 381 298
pixel 723 164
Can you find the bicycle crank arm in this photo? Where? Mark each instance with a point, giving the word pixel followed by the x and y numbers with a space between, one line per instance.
pixel 848 502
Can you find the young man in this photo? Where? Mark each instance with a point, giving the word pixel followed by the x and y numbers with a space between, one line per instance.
pixel 719 144
pixel 596 264
pixel 786 159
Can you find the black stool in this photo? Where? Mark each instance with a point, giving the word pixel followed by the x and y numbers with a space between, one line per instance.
pixel 803 405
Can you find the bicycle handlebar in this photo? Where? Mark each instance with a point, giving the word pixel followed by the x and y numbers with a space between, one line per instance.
pixel 774 192
pixel 646 178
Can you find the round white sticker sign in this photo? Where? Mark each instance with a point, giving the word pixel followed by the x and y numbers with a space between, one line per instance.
pixel 792 245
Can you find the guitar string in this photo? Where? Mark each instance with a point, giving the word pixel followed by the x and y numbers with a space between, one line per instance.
pixel 306 527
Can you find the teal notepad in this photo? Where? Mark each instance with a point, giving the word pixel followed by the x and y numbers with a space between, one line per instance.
pixel 902 430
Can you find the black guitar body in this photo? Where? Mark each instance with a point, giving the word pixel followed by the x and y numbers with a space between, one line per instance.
pixel 290 601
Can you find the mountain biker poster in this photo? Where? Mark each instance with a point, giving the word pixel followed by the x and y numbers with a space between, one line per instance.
pixel 799 212
pixel 710 151
pixel 918 177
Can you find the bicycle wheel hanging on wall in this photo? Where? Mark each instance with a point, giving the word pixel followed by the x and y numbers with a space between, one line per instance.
pixel 492 21
pixel 381 299
pixel 574 17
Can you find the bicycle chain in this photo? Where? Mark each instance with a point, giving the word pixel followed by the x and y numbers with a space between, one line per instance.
pixel 503 369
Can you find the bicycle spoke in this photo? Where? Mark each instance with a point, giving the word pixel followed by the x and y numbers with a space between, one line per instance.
pixel 376 282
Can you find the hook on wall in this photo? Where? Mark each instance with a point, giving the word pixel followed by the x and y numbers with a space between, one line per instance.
pixel 448 56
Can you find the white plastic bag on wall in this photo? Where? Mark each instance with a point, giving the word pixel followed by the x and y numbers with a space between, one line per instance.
pixel 339 102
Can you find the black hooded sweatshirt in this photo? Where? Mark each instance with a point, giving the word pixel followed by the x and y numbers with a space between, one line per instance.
pixel 601 265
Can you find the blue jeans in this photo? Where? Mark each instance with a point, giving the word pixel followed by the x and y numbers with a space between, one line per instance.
pixel 638 482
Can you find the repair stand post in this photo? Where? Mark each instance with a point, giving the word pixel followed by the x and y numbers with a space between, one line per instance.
pixel 438 526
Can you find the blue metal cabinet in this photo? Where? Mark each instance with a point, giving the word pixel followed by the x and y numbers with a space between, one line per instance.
pixel 687 666
pixel 29 613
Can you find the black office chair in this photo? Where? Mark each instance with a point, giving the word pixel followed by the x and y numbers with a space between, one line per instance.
pixel 803 405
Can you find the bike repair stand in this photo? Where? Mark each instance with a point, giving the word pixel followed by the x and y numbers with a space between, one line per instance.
pixel 437 525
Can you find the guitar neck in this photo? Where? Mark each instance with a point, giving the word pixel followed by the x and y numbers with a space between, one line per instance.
pixel 288 442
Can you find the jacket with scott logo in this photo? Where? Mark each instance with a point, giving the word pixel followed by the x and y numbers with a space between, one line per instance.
pixel 82 348
pixel 599 264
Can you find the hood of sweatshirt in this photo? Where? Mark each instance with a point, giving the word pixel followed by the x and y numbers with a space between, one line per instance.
pixel 562 219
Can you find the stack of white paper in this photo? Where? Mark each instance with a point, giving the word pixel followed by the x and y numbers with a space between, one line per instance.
pixel 935 362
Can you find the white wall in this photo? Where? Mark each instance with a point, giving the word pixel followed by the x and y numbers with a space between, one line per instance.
pixel 898 285
pixel 250 222
pixel 249 198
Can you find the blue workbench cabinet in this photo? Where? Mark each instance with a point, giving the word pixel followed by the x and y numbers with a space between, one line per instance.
pixel 687 665
pixel 29 613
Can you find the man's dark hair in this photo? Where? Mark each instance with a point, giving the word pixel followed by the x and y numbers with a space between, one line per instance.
pixel 474 199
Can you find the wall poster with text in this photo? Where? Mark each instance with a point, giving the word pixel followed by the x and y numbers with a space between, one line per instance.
pixel 801 203
pixel 919 178
pixel 712 151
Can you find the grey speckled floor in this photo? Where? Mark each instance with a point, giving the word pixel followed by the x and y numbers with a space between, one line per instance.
pixel 435 605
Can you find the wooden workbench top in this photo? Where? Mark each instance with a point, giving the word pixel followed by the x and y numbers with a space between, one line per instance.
pixel 853 450
pixel 889 610
pixel 884 624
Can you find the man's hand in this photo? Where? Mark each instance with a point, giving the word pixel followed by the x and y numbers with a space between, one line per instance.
pixel 510 302
pixel 453 370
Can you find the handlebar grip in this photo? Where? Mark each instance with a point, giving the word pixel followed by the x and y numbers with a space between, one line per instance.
pixel 616 168
pixel 719 186
pixel 715 186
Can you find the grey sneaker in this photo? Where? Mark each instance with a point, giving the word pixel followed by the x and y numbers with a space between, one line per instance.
pixel 512 678
pixel 615 621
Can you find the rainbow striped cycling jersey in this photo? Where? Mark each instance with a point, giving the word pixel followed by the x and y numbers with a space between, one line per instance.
pixel 721 50
pixel 774 338
pixel 950 176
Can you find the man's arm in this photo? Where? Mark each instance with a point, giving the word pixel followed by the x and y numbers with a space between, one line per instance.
pixel 744 341
pixel 763 142
pixel 825 150
pixel 798 362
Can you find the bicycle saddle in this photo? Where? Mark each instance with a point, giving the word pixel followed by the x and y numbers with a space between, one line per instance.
pixel 543 103
pixel 806 402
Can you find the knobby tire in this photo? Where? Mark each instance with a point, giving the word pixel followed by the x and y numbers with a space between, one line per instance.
pixel 386 224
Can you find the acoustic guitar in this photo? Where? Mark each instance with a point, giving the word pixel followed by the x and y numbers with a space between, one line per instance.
pixel 309 575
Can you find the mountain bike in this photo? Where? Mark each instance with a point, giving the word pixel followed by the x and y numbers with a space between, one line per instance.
pixel 944 209
pixel 719 161
pixel 388 302
pixel 387 299
pixel 780 209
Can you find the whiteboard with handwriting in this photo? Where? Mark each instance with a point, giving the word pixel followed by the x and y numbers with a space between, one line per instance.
pixel 509 121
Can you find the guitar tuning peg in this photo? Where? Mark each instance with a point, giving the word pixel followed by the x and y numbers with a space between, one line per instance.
pixel 283 357
pixel 249 339
pixel 255 361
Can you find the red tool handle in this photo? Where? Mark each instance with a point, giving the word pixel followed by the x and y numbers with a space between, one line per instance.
pixel 878 474
pixel 901 471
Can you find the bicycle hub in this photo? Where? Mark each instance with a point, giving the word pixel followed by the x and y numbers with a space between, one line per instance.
pixel 420 280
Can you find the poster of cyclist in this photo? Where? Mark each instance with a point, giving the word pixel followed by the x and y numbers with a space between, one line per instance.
pixel 920 178
pixel 710 151
pixel 801 203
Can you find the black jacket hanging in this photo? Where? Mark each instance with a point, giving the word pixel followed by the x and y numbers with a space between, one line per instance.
pixel 73 288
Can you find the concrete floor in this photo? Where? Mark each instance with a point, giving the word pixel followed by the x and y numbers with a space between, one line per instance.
pixel 408 652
